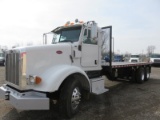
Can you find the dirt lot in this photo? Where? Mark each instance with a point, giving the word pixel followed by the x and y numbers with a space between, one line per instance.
pixel 125 101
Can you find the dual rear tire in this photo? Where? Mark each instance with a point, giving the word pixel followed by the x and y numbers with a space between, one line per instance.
pixel 142 75
pixel 147 73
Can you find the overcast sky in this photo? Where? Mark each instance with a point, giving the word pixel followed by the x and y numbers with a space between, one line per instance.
pixel 136 23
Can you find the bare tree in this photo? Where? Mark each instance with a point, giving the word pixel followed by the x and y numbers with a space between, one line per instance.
pixel 150 49
pixel 4 47
pixel 127 56
pixel 16 45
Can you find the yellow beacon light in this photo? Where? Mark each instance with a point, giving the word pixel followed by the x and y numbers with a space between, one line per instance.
pixel 72 23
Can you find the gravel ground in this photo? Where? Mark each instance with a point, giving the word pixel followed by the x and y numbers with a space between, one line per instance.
pixel 125 101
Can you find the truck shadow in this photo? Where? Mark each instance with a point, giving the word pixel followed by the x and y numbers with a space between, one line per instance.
pixel 33 115
pixel 97 107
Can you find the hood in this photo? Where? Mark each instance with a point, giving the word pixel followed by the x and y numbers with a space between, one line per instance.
pixel 40 58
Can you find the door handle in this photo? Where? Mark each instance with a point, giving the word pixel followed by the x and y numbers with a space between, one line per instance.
pixel 95 62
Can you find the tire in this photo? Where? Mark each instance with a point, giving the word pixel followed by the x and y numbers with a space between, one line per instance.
pixel 140 75
pixel 114 74
pixel 70 98
pixel 147 74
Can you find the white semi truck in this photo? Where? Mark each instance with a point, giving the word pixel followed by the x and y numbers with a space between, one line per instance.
pixel 155 59
pixel 67 70
pixel 134 58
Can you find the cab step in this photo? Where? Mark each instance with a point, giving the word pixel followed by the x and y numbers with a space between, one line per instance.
pixel 98 86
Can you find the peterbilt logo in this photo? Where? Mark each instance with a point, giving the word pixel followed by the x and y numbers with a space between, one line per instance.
pixel 59 52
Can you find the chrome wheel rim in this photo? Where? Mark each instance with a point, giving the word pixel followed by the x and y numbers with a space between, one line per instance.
pixel 76 97
pixel 142 77
pixel 148 75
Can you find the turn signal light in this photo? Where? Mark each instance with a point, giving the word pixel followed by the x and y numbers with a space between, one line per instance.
pixel 34 80
pixel 38 80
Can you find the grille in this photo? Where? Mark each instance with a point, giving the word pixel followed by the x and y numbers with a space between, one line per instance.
pixel 134 61
pixel 13 67
pixel 156 60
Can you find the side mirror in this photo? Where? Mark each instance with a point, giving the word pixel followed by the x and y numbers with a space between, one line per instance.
pixel 94 31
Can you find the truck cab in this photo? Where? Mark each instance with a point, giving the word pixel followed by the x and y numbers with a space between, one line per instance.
pixel 134 58
pixel 118 58
pixel 66 68
pixel 81 42
pixel 155 59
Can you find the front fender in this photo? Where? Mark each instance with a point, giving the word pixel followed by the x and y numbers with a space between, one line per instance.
pixel 53 77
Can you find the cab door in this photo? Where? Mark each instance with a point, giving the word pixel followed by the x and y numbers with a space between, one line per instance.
pixel 89 50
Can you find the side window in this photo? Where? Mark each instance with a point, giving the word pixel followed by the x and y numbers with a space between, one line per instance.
pixel 87 37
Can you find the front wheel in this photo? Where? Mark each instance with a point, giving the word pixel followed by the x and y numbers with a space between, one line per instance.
pixel 70 98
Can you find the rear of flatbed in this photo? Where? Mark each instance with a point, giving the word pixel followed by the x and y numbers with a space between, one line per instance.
pixel 138 72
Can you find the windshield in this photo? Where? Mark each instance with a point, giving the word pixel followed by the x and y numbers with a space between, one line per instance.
pixel 155 56
pixel 67 35
pixel 134 56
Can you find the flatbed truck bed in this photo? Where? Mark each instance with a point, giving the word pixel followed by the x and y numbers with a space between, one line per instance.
pixel 124 64
pixel 138 72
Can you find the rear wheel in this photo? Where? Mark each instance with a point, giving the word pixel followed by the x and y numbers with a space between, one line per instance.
pixel 147 74
pixel 70 98
pixel 140 76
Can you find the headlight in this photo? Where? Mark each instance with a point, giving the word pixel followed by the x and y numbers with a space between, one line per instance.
pixel 25 79
pixel 33 79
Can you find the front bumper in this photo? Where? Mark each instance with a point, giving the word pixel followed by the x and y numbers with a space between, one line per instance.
pixel 26 100
pixel 134 60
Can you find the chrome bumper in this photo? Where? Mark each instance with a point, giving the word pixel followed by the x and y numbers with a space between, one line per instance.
pixel 25 101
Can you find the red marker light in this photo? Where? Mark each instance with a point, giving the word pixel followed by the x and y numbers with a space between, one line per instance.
pixel 59 52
